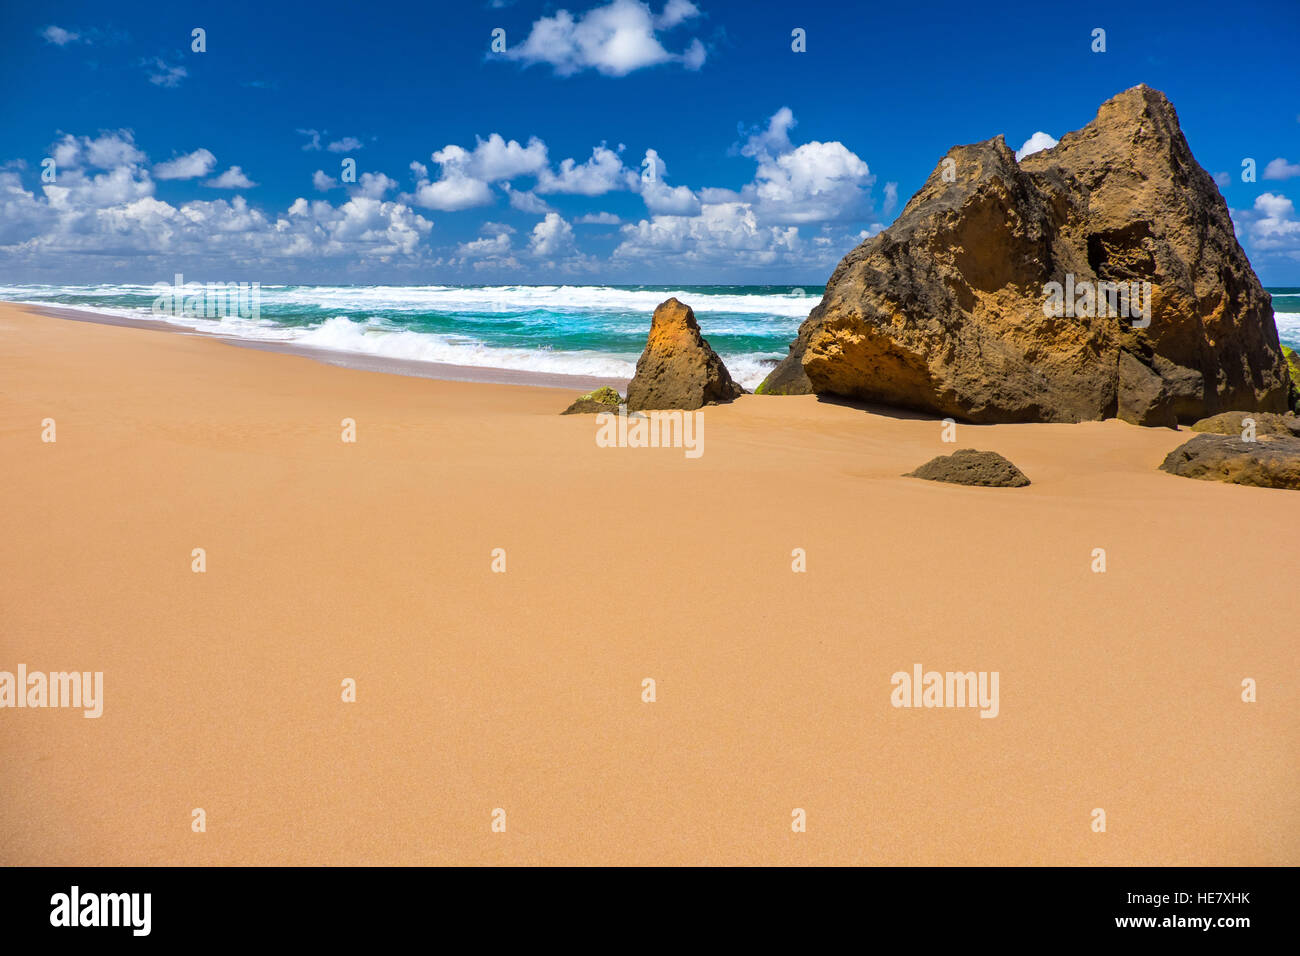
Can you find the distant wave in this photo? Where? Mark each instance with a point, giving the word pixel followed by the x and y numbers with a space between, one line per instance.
pixel 502 299
pixel 575 330
pixel 593 331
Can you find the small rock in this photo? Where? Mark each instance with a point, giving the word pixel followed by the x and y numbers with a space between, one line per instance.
pixel 1266 463
pixel 971 467
pixel 603 399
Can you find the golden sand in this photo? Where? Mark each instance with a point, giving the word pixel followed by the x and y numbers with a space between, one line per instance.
pixel 522 690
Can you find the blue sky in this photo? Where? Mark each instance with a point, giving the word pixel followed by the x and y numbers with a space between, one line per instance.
pixel 531 165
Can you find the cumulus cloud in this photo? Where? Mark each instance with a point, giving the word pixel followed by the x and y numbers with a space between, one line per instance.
pixel 1281 169
pixel 347 144
pixel 721 228
pixel 495 242
pixel 108 150
pixel 659 197
pixel 1035 144
pixel 232 178
pixel 1270 226
pixel 815 183
pixel 103 204
pixel 467 173
pixel 598 218
pixel 494 159
pixel 323 183
pixel 453 192
pixel 614 39
pixel 374 185
pixel 603 172
pixel 188 166
pixel 551 237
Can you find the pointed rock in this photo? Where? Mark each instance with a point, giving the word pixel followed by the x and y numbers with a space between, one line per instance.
pixel 678 369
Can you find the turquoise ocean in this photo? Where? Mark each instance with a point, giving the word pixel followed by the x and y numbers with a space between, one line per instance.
pixel 579 329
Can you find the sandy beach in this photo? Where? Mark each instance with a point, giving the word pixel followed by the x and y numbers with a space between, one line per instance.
pixel 522 690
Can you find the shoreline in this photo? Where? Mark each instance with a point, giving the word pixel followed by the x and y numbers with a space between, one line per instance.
pixel 439 371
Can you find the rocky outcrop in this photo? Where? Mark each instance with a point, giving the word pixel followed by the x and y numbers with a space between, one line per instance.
pixel 1265 423
pixel 603 399
pixel 946 311
pixel 968 466
pixel 678 369
pixel 1266 463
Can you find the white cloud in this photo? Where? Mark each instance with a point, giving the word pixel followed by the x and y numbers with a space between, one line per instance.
pixel 552 237
pixel 602 173
pixel 1035 144
pixel 232 178
pixel 467 173
pixel 347 144
pixel 614 39
pixel 720 233
pixel 526 201
pixel 494 159
pixel 814 182
pixel 489 246
pixel 22 215
pixel 453 192
pixel 1281 169
pixel 313 140
pixel 374 185
pixel 659 197
pixel 161 74
pixel 323 183
pixel 759 224
pixel 1270 226
pixel 188 166
pixel 598 218
pixel 106 151
pixel 88 215
pixel 59 36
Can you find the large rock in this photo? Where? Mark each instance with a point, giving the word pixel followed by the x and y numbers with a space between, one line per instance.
pixel 1266 423
pixel 967 466
pixel 1266 462
pixel 678 369
pixel 944 310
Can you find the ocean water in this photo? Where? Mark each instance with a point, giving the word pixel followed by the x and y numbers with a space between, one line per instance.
pixel 580 330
